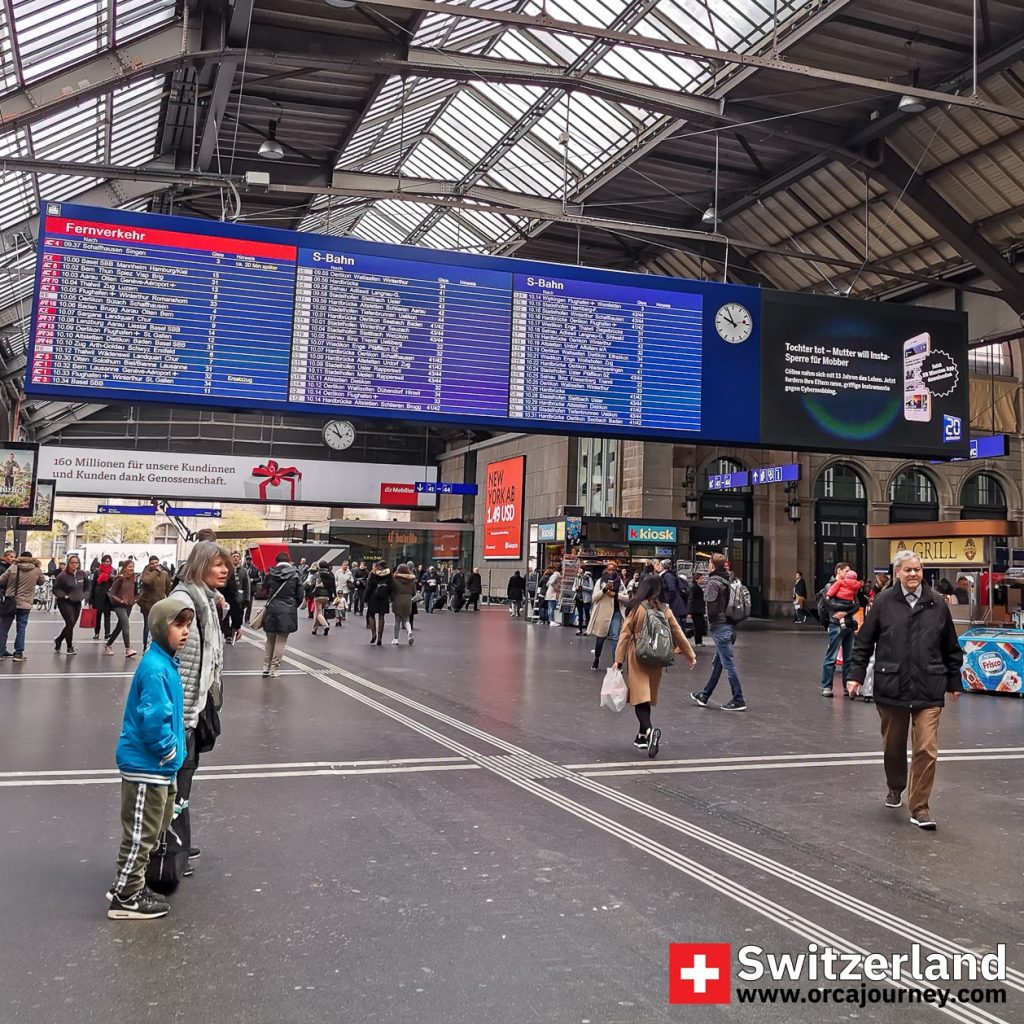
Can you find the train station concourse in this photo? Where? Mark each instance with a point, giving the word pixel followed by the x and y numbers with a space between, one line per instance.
pixel 512 511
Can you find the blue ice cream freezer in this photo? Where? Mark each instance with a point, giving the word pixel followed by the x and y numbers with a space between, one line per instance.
pixel 993 661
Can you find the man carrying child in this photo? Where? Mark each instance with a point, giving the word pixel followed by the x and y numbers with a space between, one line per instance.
pixel 150 752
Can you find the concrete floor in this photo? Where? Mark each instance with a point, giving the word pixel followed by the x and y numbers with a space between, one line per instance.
pixel 456 832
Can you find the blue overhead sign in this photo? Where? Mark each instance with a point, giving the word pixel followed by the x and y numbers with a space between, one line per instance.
pixel 126 510
pixel 994 447
pixel 727 481
pixel 775 474
pixel 193 513
pixel 439 487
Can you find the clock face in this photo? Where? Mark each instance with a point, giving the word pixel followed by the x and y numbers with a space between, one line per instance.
pixel 733 323
pixel 339 434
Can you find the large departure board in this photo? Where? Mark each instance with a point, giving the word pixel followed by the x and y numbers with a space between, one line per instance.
pixel 141 307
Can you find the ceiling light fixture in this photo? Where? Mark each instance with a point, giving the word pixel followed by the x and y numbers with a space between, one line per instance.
pixel 710 217
pixel 912 104
pixel 271 148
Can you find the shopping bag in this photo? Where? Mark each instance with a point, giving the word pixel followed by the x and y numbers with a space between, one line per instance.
pixel 867 688
pixel 88 619
pixel 613 690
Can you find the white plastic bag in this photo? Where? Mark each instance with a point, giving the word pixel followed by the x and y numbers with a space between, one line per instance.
pixel 867 688
pixel 613 690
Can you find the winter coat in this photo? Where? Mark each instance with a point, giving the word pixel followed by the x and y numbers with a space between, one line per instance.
pixel 360 577
pixel 68 587
pixel 403 590
pixel 98 591
pixel 672 594
pixel 516 588
pixel 917 655
pixel 378 592
pixel 122 591
pixel 474 584
pixel 24 575
pixel 152 743
pixel 695 603
pixel 344 581
pixel 554 587
pixel 644 680
pixel 243 585
pixel 156 585
pixel 284 596
pixel 584 589
pixel 321 584
pixel 716 596
pixel 457 584
pixel 202 658
pixel 604 606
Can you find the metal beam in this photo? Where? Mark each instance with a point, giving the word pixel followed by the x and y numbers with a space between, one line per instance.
pixel 912 189
pixel 141 58
pixel 545 23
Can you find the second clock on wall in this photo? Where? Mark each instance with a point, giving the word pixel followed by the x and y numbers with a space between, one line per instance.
pixel 339 434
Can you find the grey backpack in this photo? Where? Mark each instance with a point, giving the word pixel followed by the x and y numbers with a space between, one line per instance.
pixel 655 647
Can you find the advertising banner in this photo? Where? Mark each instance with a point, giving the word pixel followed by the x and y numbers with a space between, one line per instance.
pixel 42 514
pixel 993 661
pixel 942 550
pixel 140 554
pixel 18 472
pixel 885 377
pixel 115 473
pixel 503 508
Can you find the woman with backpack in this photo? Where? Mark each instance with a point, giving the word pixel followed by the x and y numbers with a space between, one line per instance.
pixel 321 589
pixel 644 648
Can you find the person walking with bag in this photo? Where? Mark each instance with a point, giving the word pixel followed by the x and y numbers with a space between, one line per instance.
pixel 19 583
pixel 99 588
pixel 515 592
pixel 379 588
pixel 403 592
pixel 723 632
pixel 583 598
pixel 645 650
pixel 321 586
pixel 697 607
pixel 606 611
pixel 69 590
pixel 279 618
pixel 122 599
pixel 156 585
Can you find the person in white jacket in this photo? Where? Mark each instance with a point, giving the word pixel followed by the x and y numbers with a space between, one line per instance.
pixel 553 595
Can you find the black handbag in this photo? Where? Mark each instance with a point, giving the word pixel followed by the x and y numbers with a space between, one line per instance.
pixel 207 728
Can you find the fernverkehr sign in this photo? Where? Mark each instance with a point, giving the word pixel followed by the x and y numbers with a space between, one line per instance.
pixel 115 473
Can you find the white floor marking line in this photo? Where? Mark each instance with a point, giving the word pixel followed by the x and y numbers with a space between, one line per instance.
pixel 713 767
pixel 210 776
pixel 70 676
pixel 788 757
pixel 781 915
pixel 1015 979
pixel 270 765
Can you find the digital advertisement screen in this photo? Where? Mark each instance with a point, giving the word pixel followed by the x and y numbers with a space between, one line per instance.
pixel 42 514
pixel 18 472
pixel 882 377
pixel 143 307
pixel 503 508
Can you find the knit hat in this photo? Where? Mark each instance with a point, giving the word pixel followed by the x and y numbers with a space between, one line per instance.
pixel 161 615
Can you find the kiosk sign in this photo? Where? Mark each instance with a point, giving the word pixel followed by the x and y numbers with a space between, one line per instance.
pixel 651 534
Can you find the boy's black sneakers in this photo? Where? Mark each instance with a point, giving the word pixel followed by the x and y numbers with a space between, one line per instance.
pixel 140 907
pixel 735 705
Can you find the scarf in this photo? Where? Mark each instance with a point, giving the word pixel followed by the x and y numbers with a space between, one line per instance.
pixel 103 573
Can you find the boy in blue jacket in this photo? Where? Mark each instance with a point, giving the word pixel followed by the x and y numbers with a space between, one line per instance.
pixel 149 753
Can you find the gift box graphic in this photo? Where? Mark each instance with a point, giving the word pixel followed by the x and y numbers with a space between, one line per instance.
pixel 273 482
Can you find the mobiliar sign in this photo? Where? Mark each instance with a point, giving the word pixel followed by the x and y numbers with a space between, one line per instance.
pixel 115 473
pixel 503 508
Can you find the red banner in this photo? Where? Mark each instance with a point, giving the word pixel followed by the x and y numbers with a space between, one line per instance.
pixel 399 494
pixel 503 508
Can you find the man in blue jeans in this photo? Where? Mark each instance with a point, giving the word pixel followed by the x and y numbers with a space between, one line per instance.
pixel 723 633
pixel 19 584
pixel 838 636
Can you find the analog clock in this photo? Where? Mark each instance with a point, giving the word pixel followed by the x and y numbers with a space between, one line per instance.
pixel 733 323
pixel 339 434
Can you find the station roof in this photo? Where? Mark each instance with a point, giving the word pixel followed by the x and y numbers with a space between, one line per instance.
pixel 761 141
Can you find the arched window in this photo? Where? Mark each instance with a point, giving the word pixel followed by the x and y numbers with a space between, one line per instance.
pixel 723 467
pixel 165 533
pixel 914 498
pixel 840 481
pixel 982 497
pixel 80 532
pixel 60 539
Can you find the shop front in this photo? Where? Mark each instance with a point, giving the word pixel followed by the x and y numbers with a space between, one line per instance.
pixel 439 544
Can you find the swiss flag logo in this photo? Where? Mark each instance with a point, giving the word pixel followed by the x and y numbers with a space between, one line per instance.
pixel 698 972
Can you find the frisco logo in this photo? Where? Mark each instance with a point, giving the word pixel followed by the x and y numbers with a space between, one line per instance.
pixel 991 664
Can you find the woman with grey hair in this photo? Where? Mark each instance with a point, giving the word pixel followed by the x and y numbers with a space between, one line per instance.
pixel 201 661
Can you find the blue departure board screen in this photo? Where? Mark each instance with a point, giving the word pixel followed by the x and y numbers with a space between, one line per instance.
pixel 141 307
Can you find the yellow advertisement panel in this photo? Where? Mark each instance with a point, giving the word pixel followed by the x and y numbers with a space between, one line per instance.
pixel 943 550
